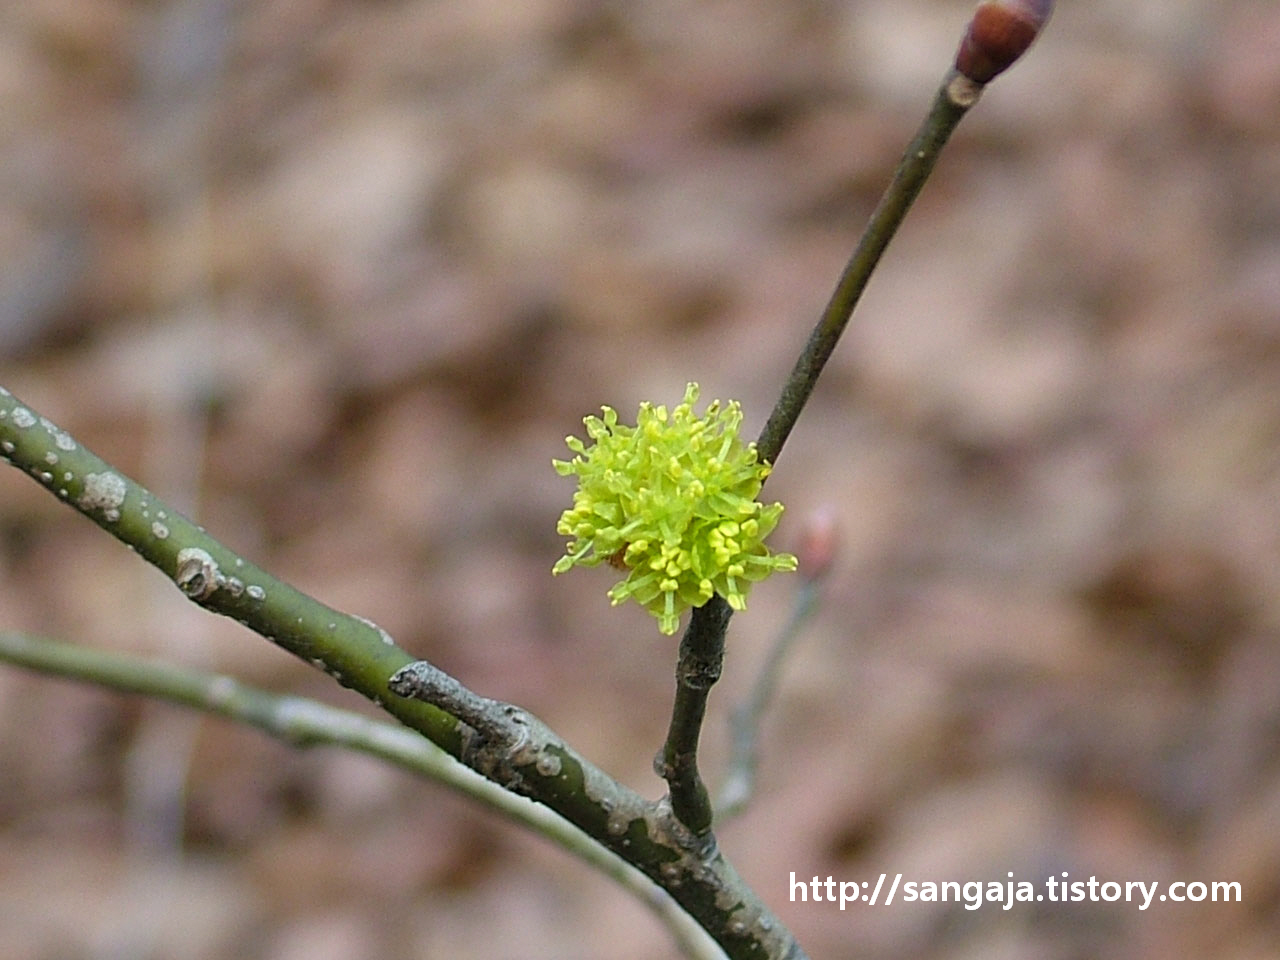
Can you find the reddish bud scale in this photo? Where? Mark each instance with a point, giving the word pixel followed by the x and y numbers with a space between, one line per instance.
pixel 819 540
pixel 999 33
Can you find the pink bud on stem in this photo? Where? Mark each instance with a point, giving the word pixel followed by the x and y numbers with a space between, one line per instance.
pixel 819 541
pixel 999 33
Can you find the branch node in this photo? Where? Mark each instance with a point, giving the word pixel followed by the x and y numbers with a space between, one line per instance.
pixel 197 575
pixel 497 738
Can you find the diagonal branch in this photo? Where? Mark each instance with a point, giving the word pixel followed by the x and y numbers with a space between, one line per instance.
pixel 745 719
pixel 952 101
pixel 702 649
pixel 676 849
pixel 360 655
pixel 303 722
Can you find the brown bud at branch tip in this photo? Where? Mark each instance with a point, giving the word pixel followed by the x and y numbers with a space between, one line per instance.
pixel 999 33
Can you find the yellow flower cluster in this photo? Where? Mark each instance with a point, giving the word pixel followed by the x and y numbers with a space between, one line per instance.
pixel 672 501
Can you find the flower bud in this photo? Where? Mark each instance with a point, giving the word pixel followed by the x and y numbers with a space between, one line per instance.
pixel 819 541
pixel 999 33
pixel 671 502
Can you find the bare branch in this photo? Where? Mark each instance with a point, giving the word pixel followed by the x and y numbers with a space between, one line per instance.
pixel 299 721
pixel 360 655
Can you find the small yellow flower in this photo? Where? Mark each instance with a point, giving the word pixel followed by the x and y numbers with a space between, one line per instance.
pixel 673 501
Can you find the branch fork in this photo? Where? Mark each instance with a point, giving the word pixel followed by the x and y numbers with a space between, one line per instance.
pixel 670 840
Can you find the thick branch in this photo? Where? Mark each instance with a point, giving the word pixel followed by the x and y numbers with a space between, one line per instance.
pixel 302 722
pixel 363 657
pixel 676 848
pixel 516 749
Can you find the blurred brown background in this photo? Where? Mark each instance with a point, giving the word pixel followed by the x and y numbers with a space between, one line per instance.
pixel 338 278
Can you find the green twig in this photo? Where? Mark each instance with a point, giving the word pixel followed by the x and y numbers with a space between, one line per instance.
pixel 510 746
pixel 744 721
pixel 360 655
pixel 303 722
pixel 702 648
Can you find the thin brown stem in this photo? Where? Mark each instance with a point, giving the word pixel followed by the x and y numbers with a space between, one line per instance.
pixel 698 669
pixel 954 98
pixel 702 649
